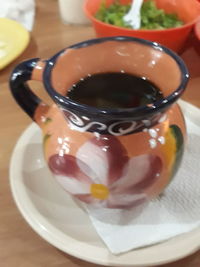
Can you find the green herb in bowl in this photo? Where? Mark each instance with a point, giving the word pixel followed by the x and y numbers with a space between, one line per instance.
pixel 152 18
pixel 113 14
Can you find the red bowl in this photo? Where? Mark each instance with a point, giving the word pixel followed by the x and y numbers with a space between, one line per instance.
pixel 174 38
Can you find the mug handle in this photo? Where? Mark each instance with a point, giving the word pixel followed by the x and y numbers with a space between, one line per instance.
pixel 28 70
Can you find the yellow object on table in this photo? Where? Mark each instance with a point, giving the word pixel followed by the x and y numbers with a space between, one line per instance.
pixel 14 39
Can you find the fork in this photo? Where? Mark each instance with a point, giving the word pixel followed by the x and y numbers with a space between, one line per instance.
pixel 133 16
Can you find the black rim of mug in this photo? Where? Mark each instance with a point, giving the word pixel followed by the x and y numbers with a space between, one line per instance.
pixel 119 113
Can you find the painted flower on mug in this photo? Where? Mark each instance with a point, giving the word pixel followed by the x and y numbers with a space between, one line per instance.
pixel 103 174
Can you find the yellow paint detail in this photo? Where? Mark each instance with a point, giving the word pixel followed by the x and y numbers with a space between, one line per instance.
pixel 99 191
pixel 169 148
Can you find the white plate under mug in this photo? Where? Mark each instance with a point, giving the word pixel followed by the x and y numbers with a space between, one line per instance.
pixel 61 222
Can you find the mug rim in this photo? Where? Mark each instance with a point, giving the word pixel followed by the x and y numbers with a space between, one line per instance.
pixel 118 113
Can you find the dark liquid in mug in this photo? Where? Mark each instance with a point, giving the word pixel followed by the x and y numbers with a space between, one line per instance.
pixel 114 90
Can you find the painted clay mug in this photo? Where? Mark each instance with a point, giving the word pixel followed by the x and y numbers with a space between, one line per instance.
pixel 111 157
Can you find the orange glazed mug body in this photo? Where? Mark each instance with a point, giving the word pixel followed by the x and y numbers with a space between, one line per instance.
pixel 108 157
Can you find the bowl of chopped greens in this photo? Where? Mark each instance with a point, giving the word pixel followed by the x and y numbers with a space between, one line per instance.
pixel 168 22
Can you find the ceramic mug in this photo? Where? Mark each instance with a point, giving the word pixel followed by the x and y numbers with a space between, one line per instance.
pixel 108 157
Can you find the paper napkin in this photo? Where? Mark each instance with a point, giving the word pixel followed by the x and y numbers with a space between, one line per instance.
pixel 175 212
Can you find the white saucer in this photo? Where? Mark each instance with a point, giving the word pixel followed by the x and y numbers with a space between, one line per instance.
pixel 61 222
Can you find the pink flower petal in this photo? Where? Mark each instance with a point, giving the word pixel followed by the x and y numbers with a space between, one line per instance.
pixel 152 176
pixel 126 201
pixel 92 161
pixel 141 172
pixel 105 156
pixel 87 198
pixel 73 186
pixel 116 156
pixel 67 166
